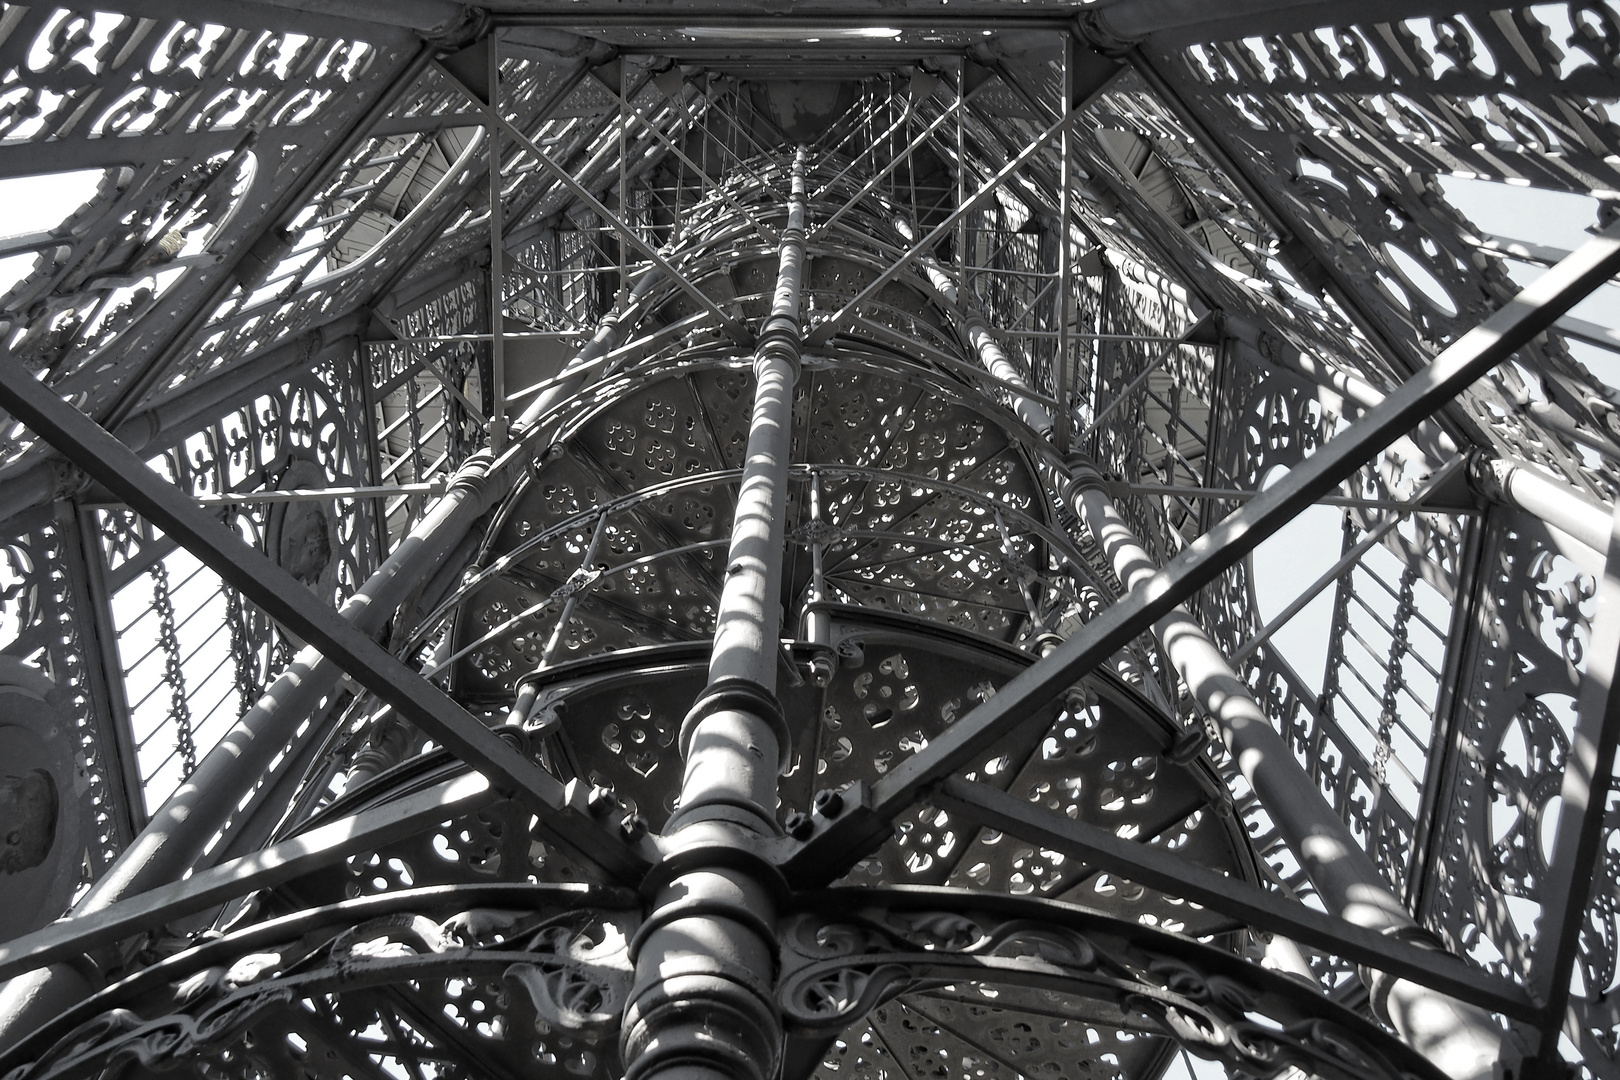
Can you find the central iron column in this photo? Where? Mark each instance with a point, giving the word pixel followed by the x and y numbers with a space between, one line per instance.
pixel 703 1005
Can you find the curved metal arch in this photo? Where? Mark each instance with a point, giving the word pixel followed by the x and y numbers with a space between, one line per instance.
pixel 605 394
pixel 302 926
pixel 848 950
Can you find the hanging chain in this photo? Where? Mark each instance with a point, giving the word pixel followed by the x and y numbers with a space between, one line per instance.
pixel 1393 680
pixel 169 642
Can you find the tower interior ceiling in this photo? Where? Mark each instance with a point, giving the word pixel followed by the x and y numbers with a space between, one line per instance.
pixel 777 539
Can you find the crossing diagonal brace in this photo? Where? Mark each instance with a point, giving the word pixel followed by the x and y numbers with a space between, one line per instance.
pixel 564 817
pixel 838 844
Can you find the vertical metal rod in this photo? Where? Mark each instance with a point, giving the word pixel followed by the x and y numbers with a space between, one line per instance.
pixel 700 1005
pixel 1577 847
pixel 1026 587
pixel 497 250
pixel 1462 1040
pixel 1065 297
pixel 624 173
pixel 961 175
pixel 817 625
pixel 86 571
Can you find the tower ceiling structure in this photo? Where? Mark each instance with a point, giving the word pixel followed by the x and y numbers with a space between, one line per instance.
pixel 802 540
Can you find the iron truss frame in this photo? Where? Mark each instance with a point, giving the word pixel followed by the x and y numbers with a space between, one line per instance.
pixel 309 216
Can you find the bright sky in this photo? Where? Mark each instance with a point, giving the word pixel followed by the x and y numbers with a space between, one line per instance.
pixel 30 204
pixel 1309 545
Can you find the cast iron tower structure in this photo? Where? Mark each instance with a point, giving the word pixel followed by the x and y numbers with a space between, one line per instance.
pixel 737 541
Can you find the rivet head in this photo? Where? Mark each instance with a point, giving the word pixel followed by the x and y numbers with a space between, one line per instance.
pixel 799 826
pixel 600 801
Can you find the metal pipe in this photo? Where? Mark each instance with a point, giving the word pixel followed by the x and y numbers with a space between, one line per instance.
pixel 1461 1040
pixel 180 830
pixel 978 336
pixel 1525 487
pixel 705 958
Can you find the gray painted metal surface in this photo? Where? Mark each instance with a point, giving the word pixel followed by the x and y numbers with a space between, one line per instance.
pixel 733 628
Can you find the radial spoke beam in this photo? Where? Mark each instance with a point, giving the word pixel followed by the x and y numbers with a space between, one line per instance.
pixel 1169 873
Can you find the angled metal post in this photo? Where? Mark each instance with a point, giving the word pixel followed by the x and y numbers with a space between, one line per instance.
pixel 978 337
pixel 281 597
pixel 1588 778
pixel 280 862
pixel 1555 502
pixel 1462 1040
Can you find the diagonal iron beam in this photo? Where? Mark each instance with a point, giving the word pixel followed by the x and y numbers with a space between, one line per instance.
pixel 1375 535
pixel 826 330
pixel 1169 873
pixel 281 862
pixel 734 329
pixel 838 843
pixel 563 818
